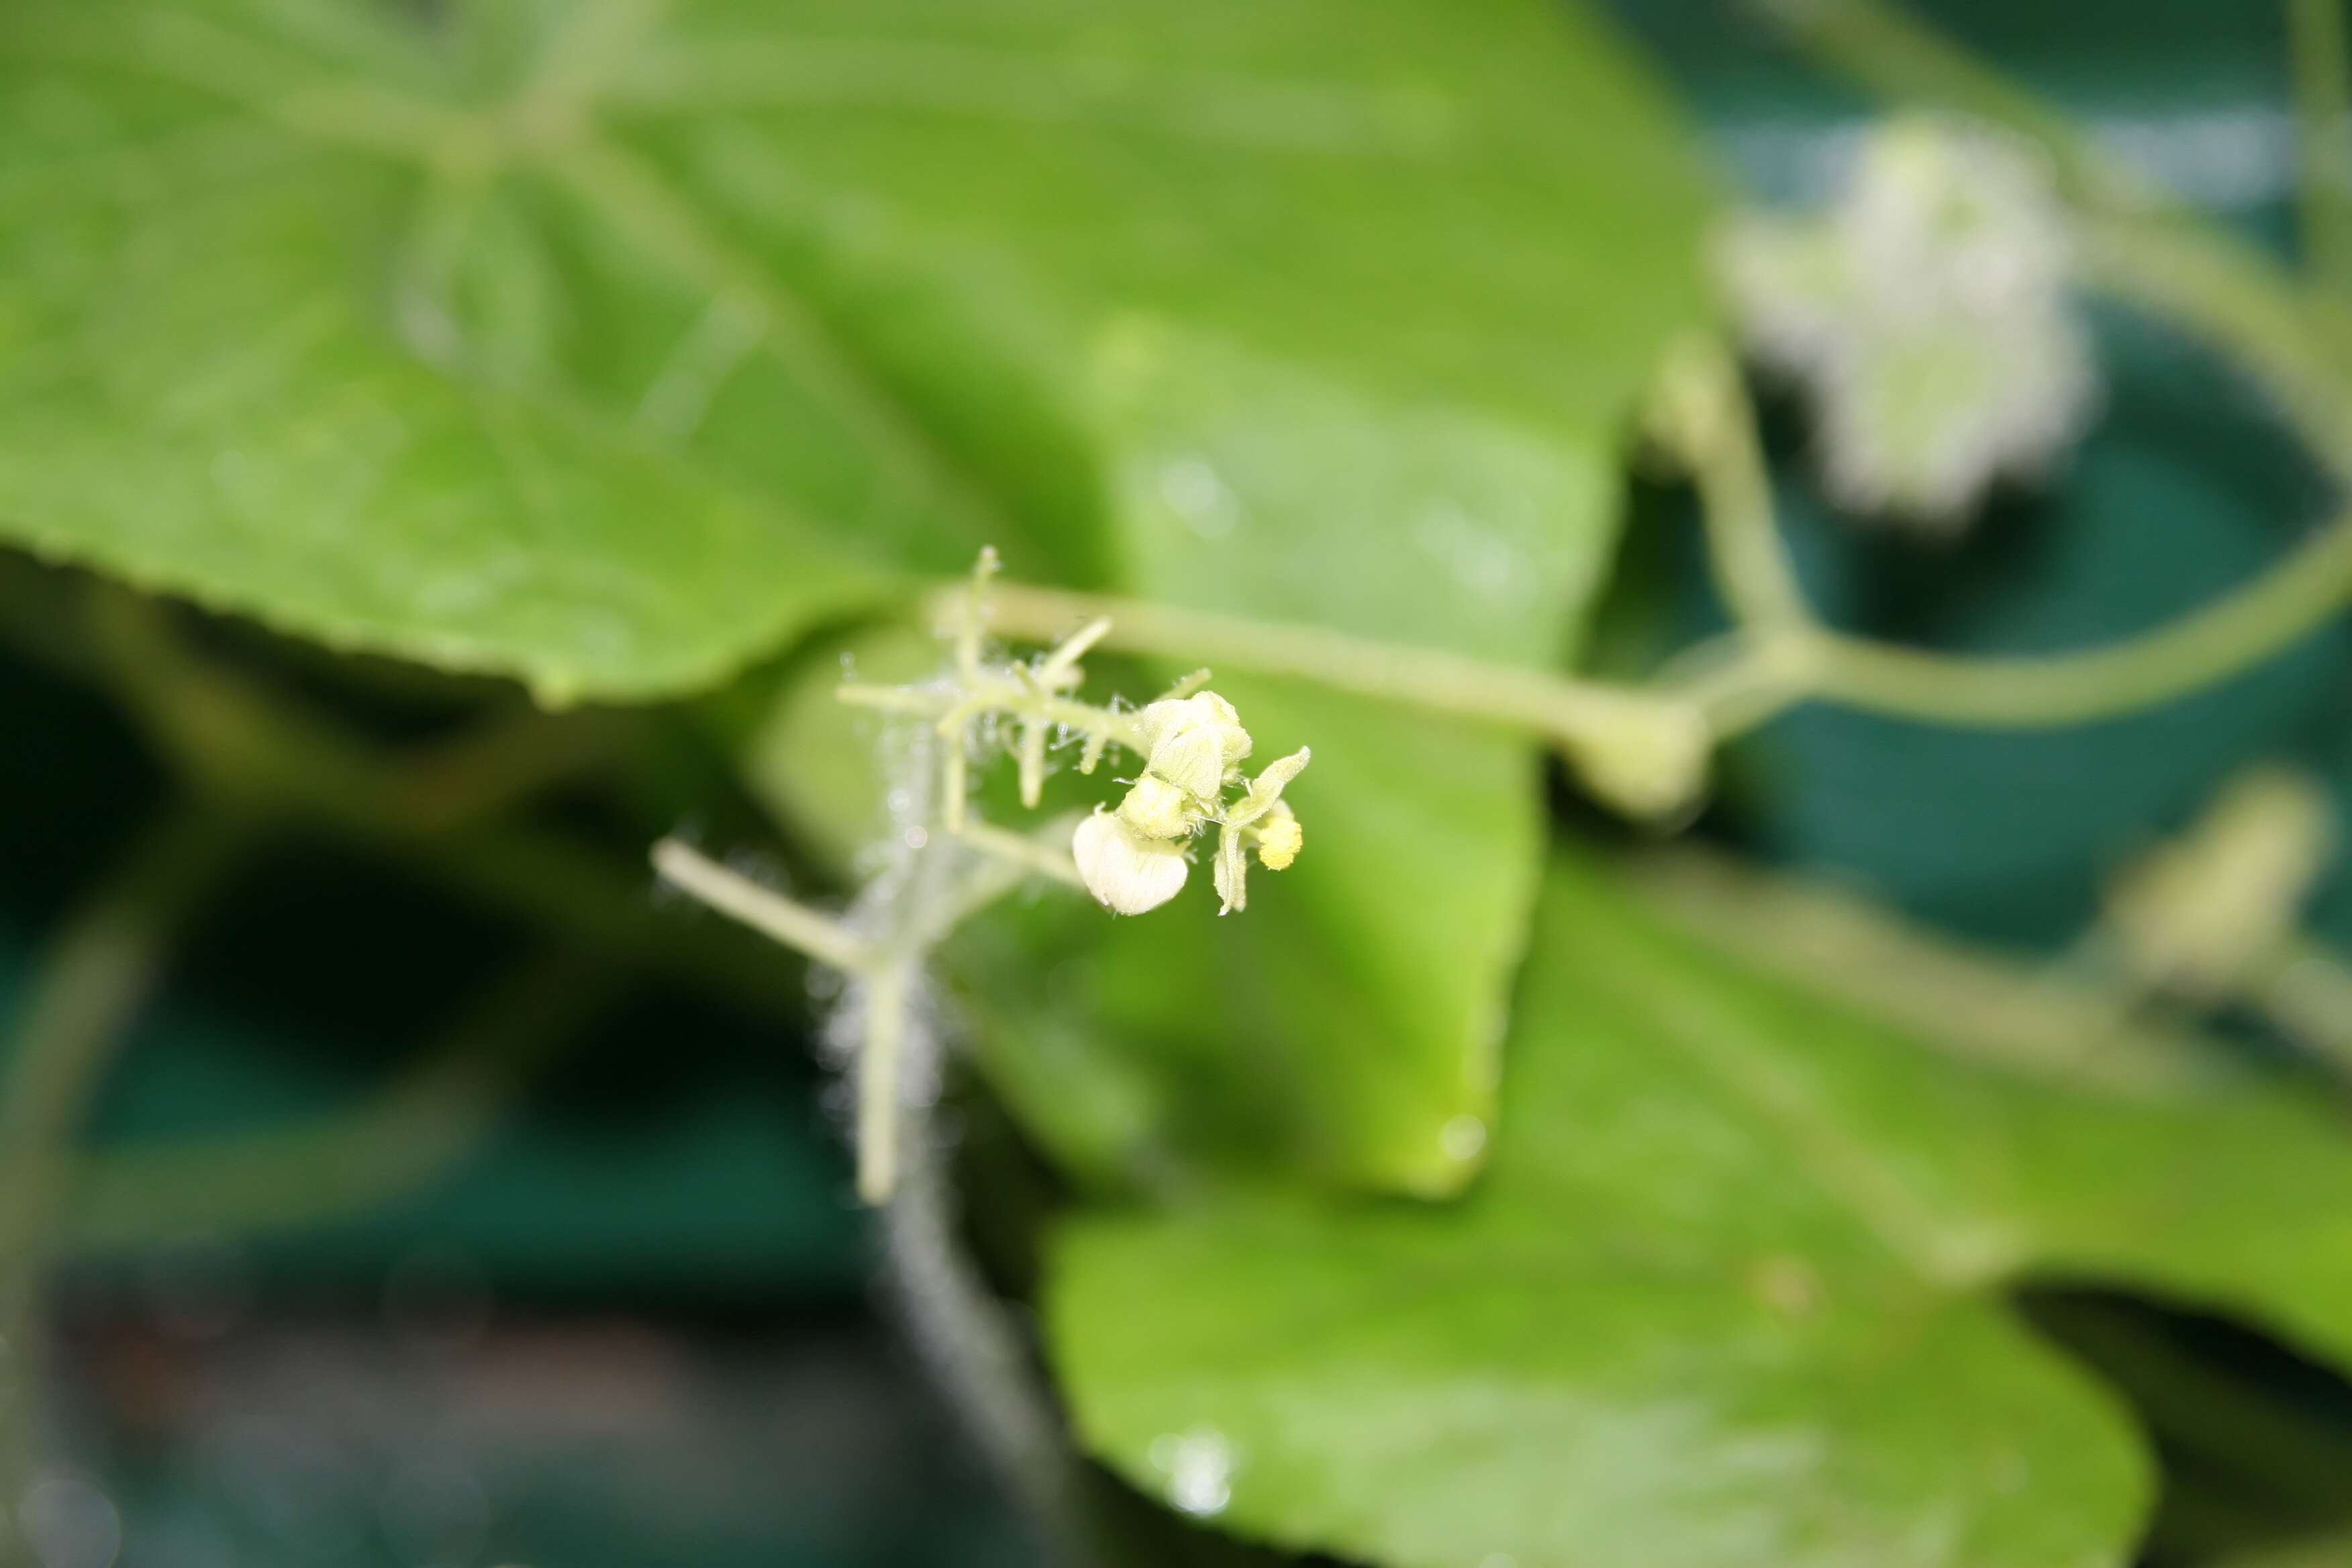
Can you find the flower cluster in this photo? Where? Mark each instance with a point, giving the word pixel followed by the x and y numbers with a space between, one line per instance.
pixel 1927 316
pixel 1135 858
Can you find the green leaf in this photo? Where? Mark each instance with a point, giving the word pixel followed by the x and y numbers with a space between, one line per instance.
pixel 609 346
pixel 1730 1292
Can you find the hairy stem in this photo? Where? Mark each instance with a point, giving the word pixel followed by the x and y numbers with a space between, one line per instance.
pixel 975 1349
pixel 886 995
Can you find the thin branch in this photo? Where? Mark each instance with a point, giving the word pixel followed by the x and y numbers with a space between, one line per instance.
pixel 2233 633
pixel 2202 285
pixel 1431 679
pixel 1044 855
pixel 1701 411
pixel 2236 301
pixel 975 1344
pixel 885 996
pixel 2323 104
pixel 736 896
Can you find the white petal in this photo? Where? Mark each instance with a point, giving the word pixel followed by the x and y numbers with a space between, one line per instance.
pixel 1126 872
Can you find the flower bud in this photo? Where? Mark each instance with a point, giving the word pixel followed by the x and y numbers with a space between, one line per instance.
pixel 1126 872
pixel 1192 759
pixel 2195 916
pixel 1649 763
pixel 1158 809
pixel 1193 742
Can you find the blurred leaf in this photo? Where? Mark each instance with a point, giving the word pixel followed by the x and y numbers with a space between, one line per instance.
pixel 1729 1295
pixel 605 346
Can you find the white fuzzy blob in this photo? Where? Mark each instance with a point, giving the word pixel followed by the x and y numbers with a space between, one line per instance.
pixel 1126 872
pixel 1927 316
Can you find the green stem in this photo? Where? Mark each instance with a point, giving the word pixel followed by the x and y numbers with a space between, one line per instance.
pixel 2237 303
pixel 91 987
pixel 2240 629
pixel 972 1342
pixel 1702 412
pixel 887 994
pixel 2206 287
pixel 1743 681
pixel 765 910
pixel 416 1128
pixel 1433 679
pixel 1039 856
pixel 980 693
pixel 2317 50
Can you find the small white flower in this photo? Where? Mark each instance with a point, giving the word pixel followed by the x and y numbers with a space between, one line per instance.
pixel 1927 316
pixel 1126 872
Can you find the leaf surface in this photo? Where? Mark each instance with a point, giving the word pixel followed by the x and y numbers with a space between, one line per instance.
pixel 609 346
pixel 1730 1293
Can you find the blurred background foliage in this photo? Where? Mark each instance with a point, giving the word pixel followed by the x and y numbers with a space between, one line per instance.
pixel 454 1197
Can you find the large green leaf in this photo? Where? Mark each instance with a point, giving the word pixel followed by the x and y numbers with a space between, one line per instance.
pixel 606 344
pixel 1730 1293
